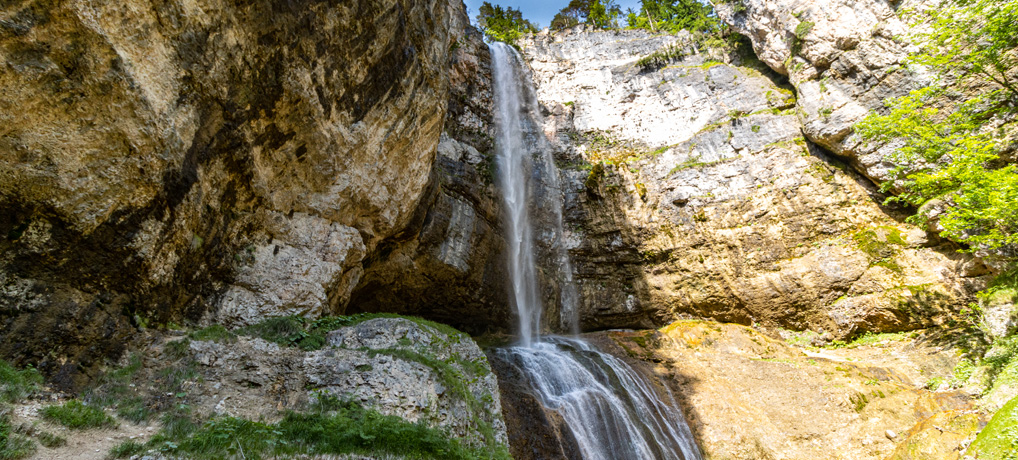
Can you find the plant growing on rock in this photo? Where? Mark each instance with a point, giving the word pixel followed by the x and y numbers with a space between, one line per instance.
pixel 950 157
pixel 77 415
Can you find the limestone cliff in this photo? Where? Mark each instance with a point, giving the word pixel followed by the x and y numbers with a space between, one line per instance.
pixel 691 190
pixel 844 60
pixel 449 263
pixel 170 161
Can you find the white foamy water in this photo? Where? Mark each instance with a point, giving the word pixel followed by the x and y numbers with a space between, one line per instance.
pixel 612 411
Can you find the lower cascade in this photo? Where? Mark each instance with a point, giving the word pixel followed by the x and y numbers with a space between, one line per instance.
pixel 611 410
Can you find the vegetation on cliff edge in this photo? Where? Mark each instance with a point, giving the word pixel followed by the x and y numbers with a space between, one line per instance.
pixel 503 24
pixel 950 161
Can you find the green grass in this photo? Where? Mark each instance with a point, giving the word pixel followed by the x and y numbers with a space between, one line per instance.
pixel 51 440
pixel 331 426
pixel 15 384
pixel 694 162
pixel 127 449
pixel 13 446
pixel 215 333
pixel 871 339
pixel 999 439
pixel 77 415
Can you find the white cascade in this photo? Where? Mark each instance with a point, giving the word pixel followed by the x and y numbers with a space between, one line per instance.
pixel 612 411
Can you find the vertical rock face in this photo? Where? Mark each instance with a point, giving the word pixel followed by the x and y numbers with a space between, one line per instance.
pixel 844 59
pixel 449 263
pixel 721 208
pixel 169 160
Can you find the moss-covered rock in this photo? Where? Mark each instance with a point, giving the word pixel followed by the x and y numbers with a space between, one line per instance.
pixel 999 439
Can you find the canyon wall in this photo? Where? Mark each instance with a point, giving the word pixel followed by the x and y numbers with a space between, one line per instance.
pixel 173 162
pixel 693 187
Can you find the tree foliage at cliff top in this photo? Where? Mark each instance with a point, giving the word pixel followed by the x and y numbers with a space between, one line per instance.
pixel 674 15
pixel 503 24
pixel 601 14
pixel 952 152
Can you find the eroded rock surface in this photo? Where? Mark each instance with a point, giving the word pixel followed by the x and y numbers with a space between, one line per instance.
pixel 749 396
pixel 167 161
pixel 844 59
pixel 449 263
pixel 722 209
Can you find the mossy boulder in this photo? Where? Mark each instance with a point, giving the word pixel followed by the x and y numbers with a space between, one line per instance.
pixel 999 439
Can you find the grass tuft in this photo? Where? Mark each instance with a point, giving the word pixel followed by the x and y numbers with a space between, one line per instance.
pixel 13 446
pixel 77 415
pixel 15 384
pixel 127 449
pixel 215 333
pixel 51 440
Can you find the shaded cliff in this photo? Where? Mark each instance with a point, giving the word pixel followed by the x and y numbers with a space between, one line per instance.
pixel 169 162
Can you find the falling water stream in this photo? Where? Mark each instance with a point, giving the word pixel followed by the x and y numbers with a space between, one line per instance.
pixel 612 411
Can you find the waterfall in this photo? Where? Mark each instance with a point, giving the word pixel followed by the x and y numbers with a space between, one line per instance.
pixel 512 159
pixel 612 411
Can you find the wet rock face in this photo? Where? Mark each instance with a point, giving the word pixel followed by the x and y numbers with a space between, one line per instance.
pixel 728 213
pixel 163 161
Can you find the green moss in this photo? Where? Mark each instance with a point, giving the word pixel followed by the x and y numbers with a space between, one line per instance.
pixel 641 191
pixel 16 384
pixel 999 439
pixel 660 150
pixel 803 29
pixel 879 242
pixel 78 416
pixel 593 181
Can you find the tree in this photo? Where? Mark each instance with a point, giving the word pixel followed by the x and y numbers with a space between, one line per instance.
pixel 602 14
pixel 951 151
pixel 503 24
pixel 673 16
